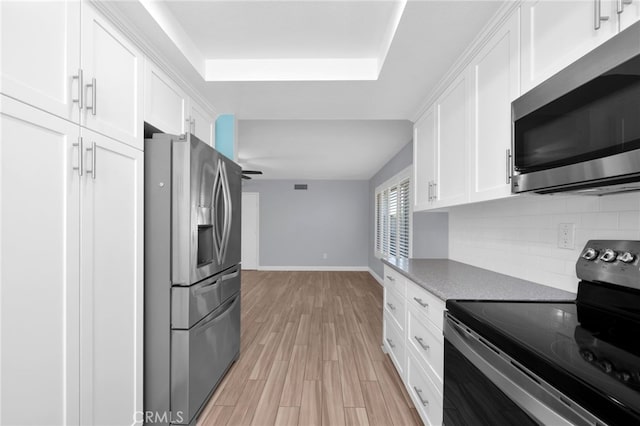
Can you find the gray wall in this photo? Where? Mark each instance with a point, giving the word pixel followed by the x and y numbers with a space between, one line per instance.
pixel 430 230
pixel 297 227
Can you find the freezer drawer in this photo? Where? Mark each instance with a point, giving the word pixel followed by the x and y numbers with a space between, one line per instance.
pixel 190 304
pixel 229 283
pixel 201 355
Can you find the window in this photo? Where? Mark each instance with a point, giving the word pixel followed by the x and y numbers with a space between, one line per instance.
pixel 393 217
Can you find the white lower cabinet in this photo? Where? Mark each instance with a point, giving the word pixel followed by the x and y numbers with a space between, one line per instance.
pixel 39 267
pixel 424 393
pixel 394 342
pixel 111 299
pixel 416 345
pixel 70 272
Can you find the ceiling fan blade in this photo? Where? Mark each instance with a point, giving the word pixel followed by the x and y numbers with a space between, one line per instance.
pixel 252 172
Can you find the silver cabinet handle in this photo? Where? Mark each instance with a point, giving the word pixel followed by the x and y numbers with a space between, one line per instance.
pixel 622 4
pixel 92 149
pixel 391 343
pixel 390 278
pixel 393 308
pixel 420 341
pixel 421 302
pixel 435 191
pixel 508 166
pixel 80 97
pixel 80 167
pixel 94 96
pixel 598 16
pixel 419 393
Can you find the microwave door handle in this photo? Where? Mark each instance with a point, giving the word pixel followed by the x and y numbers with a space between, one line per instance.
pixel 508 158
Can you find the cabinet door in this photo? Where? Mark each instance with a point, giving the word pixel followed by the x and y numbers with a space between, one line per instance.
pixel 113 71
pixel 556 33
pixel 424 152
pixel 112 282
pixel 495 74
pixel 41 53
pixel 629 13
pixel 165 104
pixel 39 267
pixel 201 123
pixel 451 148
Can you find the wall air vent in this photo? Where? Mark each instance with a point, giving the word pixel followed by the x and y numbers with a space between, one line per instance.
pixel 300 186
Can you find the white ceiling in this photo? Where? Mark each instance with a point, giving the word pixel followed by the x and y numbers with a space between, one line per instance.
pixel 413 45
pixel 320 149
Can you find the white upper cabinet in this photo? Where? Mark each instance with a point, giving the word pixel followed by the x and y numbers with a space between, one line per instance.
pixel 201 123
pixel 628 13
pixel 165 103
pixel 40 54
pixel 424 159
pixel 451 148
pixel 113 81
pixel 495 76
pixel 556 33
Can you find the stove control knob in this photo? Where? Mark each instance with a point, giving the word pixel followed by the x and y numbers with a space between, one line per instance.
pixel 626 257
pixel 623 376
pixel 606 366
pixel 590 254
pixel 608 256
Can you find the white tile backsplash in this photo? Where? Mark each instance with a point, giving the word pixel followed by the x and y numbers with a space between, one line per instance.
pixel 518 235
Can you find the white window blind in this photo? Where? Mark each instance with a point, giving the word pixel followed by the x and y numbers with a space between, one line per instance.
pixel 393 217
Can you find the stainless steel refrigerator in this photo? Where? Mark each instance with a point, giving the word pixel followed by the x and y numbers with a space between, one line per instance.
pixel 192 275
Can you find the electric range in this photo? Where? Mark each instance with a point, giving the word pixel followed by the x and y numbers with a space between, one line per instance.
pixel 573 362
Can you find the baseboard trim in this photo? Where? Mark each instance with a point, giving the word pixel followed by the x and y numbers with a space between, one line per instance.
pixel 377 277
pixel 314 268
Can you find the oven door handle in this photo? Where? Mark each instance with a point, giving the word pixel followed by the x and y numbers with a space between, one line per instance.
pixel 539 399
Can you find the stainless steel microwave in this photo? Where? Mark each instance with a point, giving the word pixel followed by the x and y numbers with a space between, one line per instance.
pixel 579 131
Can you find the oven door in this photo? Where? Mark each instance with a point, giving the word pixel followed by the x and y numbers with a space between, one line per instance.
pixel 478 377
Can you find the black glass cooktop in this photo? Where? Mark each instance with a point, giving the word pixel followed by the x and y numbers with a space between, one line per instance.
pixel 589 355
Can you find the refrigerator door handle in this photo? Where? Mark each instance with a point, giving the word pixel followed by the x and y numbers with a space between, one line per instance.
pixel 226 190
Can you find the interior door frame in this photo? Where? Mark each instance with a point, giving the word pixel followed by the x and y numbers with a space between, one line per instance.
pixel 257 197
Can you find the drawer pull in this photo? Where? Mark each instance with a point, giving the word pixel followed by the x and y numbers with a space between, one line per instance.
pixel 393 308
pixel 390 278
pixel 419 393
pixel 391 343
pixel 420 341
pixel 421 302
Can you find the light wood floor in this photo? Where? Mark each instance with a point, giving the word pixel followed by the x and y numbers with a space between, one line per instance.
pixel 310 355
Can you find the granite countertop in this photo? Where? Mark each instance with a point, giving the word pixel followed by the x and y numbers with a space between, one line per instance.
pixel 448 279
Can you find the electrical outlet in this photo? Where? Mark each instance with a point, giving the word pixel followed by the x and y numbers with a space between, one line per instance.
pixel 566 235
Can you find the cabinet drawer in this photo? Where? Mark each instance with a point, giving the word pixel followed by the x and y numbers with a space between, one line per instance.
pixel 395 307
pixel 424 393
pixel 394 343
pixel 394 280
pixel 428 343
pixel 426 303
